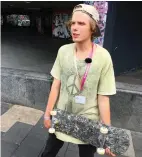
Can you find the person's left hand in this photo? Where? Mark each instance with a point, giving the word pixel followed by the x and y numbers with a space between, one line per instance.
pixel 108 152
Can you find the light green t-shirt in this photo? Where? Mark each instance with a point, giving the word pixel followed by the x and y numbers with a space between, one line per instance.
pixel 100 80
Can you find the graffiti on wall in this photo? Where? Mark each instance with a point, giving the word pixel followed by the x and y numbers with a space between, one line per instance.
pixel 18 20
pixel 102 7
pixel 59 28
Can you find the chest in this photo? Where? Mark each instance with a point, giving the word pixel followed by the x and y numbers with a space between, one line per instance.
pixel 72 67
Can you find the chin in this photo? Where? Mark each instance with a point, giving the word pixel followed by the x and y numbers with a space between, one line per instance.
pixel 77 40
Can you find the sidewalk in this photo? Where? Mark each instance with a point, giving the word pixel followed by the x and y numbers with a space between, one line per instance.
pixel 23 134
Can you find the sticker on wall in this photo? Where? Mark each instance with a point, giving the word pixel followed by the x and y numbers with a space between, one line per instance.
pixel 102 7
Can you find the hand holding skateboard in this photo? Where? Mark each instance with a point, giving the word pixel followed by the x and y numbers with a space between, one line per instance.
pixel 108 139
pixel 47 121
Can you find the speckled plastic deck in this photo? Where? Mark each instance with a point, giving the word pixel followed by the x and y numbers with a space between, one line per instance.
pixel 89 131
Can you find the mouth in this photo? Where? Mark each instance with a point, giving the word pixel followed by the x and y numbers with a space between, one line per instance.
pixel 75 35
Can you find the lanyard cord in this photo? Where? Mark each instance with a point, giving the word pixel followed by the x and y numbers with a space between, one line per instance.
pixel 86 71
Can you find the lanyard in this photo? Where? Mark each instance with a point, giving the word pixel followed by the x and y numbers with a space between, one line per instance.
pixel 86 71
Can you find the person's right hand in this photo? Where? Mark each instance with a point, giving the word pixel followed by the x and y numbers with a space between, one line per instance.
pixel 47 123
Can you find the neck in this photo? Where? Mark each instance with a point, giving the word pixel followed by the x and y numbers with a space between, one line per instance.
pixel 84 47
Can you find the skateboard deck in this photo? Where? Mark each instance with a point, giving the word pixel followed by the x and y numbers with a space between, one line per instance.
pixel 90 131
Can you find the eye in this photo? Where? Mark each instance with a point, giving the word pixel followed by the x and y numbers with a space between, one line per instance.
pixel 72 22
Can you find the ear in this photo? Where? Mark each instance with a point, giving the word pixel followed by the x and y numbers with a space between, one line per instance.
pixel 97 31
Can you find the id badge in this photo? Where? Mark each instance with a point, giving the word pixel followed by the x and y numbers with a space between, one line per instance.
pixel 80 99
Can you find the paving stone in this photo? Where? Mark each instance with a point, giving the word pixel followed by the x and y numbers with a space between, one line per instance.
pixel 30 147
pixel 19 113
pixel 130 152
pixel 4 107
pixel 7 148
pixel 29 151
pixel 33 144
pixel 138 153
pixel 39 128
pixel 62 152
pixel 71 153
pixel 73 147
pixel 17 133
pixel 2 133
pixel 97 155
pixel 137 140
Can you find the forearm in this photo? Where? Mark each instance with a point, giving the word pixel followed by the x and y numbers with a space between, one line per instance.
pixel 53 95
pixel 104 109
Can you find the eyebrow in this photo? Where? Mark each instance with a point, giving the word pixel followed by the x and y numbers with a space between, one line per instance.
pixel 78 22
pixel 81 22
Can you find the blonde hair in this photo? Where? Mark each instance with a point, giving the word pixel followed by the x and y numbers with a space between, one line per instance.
pixel 94 28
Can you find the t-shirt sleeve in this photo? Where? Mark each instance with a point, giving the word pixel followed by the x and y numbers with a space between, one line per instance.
pixel 56 69
pixel 107 85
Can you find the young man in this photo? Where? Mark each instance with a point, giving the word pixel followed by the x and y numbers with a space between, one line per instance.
pixel 69 82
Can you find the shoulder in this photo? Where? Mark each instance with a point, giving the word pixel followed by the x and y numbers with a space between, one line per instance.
pixel 66 47
pixel 103 54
